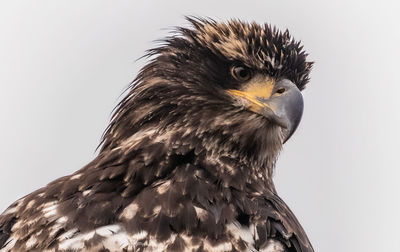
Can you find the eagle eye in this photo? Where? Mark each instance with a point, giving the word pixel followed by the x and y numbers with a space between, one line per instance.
pixel 241 73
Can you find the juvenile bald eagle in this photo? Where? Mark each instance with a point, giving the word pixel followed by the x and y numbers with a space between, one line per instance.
pixel 186 163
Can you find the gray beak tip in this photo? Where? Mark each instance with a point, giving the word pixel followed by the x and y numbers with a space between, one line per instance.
pixel 287 107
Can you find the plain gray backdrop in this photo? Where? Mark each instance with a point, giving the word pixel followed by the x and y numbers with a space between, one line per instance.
pixel 64 65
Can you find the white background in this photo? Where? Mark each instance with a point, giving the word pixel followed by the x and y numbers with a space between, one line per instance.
pixel 64 64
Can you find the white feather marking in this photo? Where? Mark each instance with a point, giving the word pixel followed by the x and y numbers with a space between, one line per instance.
pixel 17 225
pixel 9 244
pixel 115 239
pixel 30 204
pixel 222 247
pixel 154 245
pixel 62 219
pixel 88 236
pixel 254 232
pixel 31 242
pixel 58 225
pixel 49 209
pixel 273 246
pixel 50 213
pixel 156 210
pixel 118 241
pixel 130 211
pixel 161 189
pixel 243 233
pixel 139 236
pixel 201 213
pixel 135 138
pixel 76 176
pixel 39 232
pixel 86 192
pixel 108 230
pixel 75 243
pixel 49 205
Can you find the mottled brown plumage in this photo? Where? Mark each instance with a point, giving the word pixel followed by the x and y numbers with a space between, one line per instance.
pixel 183 165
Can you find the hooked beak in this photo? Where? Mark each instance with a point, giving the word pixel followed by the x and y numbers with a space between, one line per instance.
pixel 281 102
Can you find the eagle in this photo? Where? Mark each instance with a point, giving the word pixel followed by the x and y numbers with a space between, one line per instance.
pixel 187 161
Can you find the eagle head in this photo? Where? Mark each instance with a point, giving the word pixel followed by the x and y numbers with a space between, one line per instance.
pixel 222 88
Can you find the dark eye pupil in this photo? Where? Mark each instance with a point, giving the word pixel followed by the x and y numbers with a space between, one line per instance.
pixel 241 73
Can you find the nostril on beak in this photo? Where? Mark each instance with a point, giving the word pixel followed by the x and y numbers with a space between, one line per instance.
pixel 280 90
